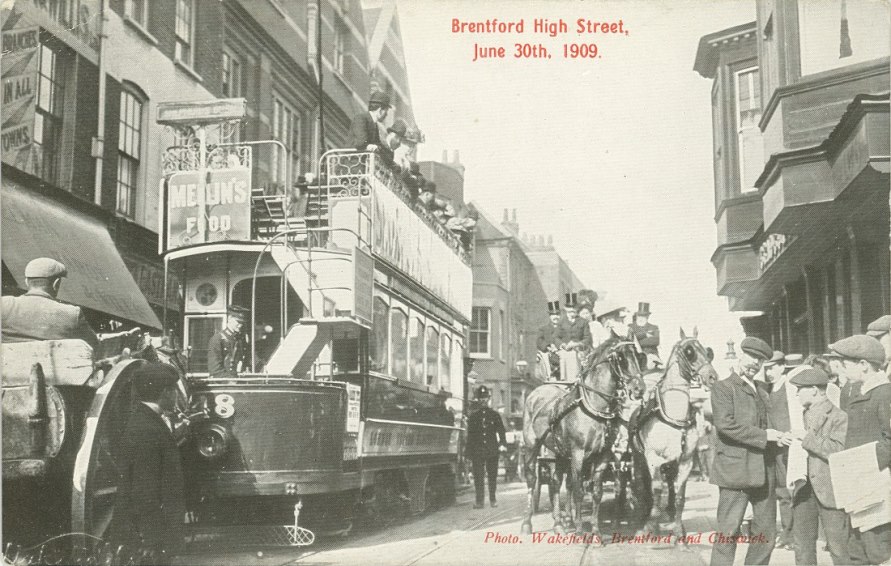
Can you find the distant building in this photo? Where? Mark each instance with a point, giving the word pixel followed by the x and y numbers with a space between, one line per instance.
pixel 800 115
pixel 556 277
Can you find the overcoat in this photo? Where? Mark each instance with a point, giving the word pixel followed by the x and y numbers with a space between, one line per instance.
pixel 149 508
pixel 740 414
pixel 575 331
pixel 647 336
pixel 224 351
pixel 547 335
pixel 38 316
pixel 869 415
pixel 485 433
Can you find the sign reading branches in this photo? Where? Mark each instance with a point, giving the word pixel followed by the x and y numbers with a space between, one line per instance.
pixel 226 202
pixel 772 247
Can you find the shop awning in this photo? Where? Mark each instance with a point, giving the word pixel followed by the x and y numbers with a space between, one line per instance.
pixel 36 226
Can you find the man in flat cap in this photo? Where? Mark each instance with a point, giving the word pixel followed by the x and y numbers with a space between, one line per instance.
pixel 880 329
pixel 743 468
pixel 825 427
pixel 227 350
pixel 364 134
pixel 868 406
pixel 38 314
pixel 149 509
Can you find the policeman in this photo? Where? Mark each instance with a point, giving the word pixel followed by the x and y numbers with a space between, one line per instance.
pixel 38 314
pixel 227 349
pixel 485 438
pixel 647 334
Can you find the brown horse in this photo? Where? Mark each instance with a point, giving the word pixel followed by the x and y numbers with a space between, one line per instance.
pixel 666 437
pixel 577 425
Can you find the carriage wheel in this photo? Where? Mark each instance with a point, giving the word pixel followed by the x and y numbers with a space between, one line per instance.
pixel 95 472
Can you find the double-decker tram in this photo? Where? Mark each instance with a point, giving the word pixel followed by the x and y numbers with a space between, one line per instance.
pixel 351 398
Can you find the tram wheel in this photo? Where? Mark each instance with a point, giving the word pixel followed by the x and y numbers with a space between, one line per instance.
pixel 95 471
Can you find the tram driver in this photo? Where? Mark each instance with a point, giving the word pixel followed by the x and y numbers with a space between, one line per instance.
pixel 227 350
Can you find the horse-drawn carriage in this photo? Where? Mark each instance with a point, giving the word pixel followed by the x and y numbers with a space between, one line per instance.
pixel 586 429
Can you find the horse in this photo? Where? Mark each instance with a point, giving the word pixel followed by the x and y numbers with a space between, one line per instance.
pixel 664 436
pixel 577 426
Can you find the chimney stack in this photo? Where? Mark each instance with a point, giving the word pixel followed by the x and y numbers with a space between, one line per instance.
pixel 550 240
pixel 457 158
pixel 445 156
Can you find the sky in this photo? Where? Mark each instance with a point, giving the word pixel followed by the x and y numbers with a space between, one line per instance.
pixel 612 156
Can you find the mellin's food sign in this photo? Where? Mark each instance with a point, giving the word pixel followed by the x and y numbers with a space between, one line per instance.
pixel 227 207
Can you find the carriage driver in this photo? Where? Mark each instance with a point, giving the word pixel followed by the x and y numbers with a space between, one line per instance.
pixel 227 350
pixel 548 343
pixel 38 314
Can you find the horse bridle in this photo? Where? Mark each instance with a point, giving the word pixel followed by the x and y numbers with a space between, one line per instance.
pixel 686 366
pixel 687 369
pixel 612 358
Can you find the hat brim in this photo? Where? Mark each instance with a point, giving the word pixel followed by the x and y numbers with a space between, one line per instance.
pixel 876 333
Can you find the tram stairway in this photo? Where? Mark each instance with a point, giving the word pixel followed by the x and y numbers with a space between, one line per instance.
pixel 298 351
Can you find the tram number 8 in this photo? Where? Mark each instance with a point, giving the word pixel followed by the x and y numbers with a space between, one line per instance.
pixel 580 50
pixel 224 405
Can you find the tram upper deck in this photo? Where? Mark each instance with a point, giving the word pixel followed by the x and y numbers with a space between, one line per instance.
pixel 359 212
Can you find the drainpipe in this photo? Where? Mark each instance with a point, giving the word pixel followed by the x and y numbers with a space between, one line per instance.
pixel 98 148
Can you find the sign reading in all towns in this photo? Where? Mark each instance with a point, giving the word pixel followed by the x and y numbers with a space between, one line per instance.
pixel 19 94
pixel 227 207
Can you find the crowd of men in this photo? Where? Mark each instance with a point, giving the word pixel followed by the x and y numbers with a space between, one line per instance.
pixel 396 147
pixel 575 331
pixel 774 440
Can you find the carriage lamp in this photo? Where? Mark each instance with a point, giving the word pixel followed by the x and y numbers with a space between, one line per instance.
pixel 212 441
pixel 731 353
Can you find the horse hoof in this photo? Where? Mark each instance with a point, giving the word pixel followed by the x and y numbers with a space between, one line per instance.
pixel 526 529
pixel 558 529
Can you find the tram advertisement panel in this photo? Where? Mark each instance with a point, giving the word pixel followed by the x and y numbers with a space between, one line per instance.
pixel 227 207
pixel 401 237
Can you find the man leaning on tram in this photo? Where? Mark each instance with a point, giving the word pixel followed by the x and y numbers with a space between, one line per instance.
pixel 227 350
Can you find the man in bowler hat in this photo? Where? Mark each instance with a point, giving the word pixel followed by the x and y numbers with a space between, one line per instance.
pixel 485 439
pixel 548 343
pixel 364 134
pixel 227 350
pixel 868 406
pixel 743 468
pixel 149 509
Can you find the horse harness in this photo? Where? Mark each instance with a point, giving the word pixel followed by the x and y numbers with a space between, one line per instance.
pixel 579 401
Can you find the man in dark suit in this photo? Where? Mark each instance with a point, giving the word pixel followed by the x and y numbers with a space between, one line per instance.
pixel 742 468
pixel 548 343
pixel 647 334
pixel 38 314
pixel 775 375
pixel 869 420
pixel 573 331
pixel 485 439
pixel 228 348
pixel 149 509
pixel 364 134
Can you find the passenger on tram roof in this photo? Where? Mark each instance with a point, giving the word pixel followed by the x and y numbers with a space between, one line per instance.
pixel 365 130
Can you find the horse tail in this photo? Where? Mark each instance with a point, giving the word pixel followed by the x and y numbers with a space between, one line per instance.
pixel 642 483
